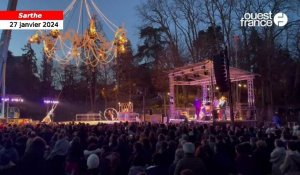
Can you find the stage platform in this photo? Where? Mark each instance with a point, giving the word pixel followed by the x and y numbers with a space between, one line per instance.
pixel 219 122
pixel 92 122
pixel 208 122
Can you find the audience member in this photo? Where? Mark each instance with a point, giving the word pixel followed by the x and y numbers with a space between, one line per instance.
pixel 148 148
pixel 277 157
pixel 189 161
pixel 291 164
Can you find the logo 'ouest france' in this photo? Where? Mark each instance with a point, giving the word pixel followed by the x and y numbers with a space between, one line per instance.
pixel 264 19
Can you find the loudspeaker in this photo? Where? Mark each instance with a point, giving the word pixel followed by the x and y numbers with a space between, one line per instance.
pixel 220 72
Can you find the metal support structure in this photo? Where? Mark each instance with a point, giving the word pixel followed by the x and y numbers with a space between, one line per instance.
pixel 212 96
pixel 144 101
pixel 208 92
pixel 204 79
pixel 7 112
pixel 204 92
pixel 172 100
pixel 165 107
pixel 250 93
pixel 236 39
pixel 251 99
pixel 229 84
pixel 3 86
pixel 4 43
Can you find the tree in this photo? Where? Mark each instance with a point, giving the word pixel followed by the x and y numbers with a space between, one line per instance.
pixel 153 54
pixel 88 82
pixel 124 73
pixel 30 83
pixel 30 58
pixel 46 76
pixel 89 71
pixel 259 49
pixel 70 83
pixel 153 45
pixel 17 67
pixel 209 40
pixel 157 14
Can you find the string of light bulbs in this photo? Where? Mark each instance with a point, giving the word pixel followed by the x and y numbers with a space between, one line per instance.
pixel 90 47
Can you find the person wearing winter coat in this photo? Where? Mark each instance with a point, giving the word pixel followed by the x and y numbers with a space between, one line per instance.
pixel 189 161
pixel 291 164
pixel 277 157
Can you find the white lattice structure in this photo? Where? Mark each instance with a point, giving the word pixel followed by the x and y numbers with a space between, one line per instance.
pixel 126 107
pixel 202 74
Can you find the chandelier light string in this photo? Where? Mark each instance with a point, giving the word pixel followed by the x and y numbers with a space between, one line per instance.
pixel 90 47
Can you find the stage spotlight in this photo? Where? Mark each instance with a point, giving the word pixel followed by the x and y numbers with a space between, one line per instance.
pixel 196 75
pixel 51 101
pixel 206 72
pixel 240 85
pixel 217 88
pixel 245 85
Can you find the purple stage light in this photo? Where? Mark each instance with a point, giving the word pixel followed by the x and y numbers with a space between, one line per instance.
pixel 51 101
pixel 16 100
pixel 5 99
pixel 13 99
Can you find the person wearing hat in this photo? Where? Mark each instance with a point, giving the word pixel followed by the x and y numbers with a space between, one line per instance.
pixel 92 164
pixel 189 161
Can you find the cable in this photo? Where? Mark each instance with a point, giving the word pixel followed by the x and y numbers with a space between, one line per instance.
pixel 80 13
pixel 110 24
pixel 72 14
pixel 87 9
pixel 69 7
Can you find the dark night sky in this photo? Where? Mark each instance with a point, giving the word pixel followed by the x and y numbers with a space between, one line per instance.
pixel 121 12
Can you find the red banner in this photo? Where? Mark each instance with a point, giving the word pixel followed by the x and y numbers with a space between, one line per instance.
pixel 31 15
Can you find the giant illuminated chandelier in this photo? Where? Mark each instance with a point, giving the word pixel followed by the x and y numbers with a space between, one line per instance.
pixel 90 47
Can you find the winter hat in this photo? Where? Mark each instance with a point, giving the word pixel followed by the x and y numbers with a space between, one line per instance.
pixel 92 161
pixel 188 147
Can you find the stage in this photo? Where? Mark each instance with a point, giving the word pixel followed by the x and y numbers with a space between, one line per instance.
pixel 218 122
pixel 201 122
pixel 92 122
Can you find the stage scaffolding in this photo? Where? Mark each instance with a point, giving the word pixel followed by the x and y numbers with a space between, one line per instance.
pixel 202 74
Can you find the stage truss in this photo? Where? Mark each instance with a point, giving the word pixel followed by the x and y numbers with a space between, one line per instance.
pixel 202 74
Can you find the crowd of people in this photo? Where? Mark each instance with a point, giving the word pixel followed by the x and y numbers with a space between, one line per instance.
pixel 148 149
